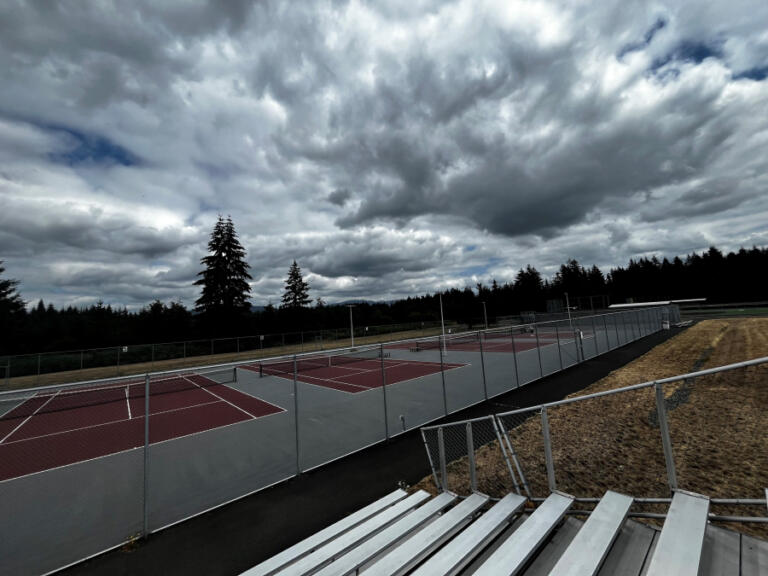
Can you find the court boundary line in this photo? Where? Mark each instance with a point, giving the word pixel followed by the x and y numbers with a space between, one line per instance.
pixel 28 417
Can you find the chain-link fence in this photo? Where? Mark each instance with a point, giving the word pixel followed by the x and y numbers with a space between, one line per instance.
pixel 92 465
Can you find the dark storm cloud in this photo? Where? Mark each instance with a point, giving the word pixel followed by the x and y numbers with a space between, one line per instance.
pixel 372 142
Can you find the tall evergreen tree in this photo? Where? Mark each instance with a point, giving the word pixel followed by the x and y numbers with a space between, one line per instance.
pixel 225 278
pixel 296 293
pixel 12 312
pixel 10 300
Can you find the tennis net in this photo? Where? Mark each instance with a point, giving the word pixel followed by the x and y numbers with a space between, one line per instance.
pixel 21 405
pixel 307 364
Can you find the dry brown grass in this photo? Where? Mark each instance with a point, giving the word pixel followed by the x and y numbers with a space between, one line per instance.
pixel 717 423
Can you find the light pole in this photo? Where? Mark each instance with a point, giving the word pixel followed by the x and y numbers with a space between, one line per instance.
pixel 351 325
pixel 485 315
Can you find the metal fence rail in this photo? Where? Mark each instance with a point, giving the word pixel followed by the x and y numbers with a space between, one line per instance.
pixel 683 447
pixel 222 432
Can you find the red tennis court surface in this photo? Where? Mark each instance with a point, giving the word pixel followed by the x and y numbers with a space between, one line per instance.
pixel 492 342
pixel 52 429
pixel 356 377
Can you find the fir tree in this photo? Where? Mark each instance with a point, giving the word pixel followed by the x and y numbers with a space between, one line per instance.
pixel 225 278
pixel 296 293
pixel 10 300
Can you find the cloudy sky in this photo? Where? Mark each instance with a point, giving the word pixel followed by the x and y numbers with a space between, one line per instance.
pixel 391 148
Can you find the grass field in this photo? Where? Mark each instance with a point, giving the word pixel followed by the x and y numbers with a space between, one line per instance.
pixel 718 426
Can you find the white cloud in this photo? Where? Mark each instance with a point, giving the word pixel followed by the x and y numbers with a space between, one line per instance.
pixel 391 149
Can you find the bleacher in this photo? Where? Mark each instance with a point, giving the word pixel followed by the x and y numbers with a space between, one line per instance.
pixel 446 535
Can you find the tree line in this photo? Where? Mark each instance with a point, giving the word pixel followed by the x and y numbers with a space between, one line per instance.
pixel 223 308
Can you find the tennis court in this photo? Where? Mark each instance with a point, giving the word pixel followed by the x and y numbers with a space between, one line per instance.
pixel 51 429
pixel 351 374
pixel 505 342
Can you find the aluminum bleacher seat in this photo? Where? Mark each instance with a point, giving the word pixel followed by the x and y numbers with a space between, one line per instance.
pixel 349 563
pixel 409 554
pixel 310 544
pixel 516 550
pixel 678 548
pixel 455 555
pixel 591 545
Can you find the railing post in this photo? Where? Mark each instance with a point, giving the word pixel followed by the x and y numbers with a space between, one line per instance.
pixel 482 363
pixel 443 466
pixel 548 451
pixel 666 442
pixel 384 391
pixel 429 457
pixel 471 459
pixel 145 531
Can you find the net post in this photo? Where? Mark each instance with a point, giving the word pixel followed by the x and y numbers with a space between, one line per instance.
pixel 296 412
pixel 145 529
pixel 482 363
pixel 384 391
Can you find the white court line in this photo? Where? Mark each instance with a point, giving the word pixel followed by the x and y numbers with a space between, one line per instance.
pixel 220 398
pixel 106 423
pixel 128 402
pixel 140 447
pixel 28 417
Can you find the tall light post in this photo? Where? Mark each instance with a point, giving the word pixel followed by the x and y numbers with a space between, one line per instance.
pixel 485 315
pixel 351 325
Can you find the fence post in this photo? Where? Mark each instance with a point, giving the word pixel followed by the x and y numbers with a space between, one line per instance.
pixel 548 451
pixel 442 375
pixel 559 350
pixel 384 391
pixel 296 412
pixel 594 335
pixel 81 360
pixel 482 364
pixel 471 459
pixel 443 467
pixel 146 457
pixel 514 357
pixel 666 442
pixel 184 349
pixel 38 369
pixel 538 350
pixel 152 364
pixel 579 357
pixel 118 360
pixel 238 344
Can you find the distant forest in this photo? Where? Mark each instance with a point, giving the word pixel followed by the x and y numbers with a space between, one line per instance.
pixel 734 277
